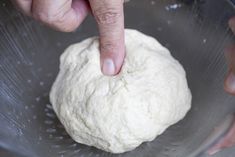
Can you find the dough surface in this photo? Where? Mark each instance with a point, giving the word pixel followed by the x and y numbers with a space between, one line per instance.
pixel 117 114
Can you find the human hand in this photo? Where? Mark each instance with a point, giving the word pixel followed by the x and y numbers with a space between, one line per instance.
pixel 67 15
pixel 229 85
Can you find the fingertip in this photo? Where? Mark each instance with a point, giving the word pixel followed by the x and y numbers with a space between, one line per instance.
pixel 108 67
pixel 112 61
pixel 112 49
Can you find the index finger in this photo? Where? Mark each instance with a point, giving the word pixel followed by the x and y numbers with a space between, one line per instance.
pixel 109 15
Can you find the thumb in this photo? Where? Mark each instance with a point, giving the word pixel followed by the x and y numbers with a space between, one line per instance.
pixel 110 18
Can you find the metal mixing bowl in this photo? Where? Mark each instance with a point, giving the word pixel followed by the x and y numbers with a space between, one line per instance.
pixel 196 33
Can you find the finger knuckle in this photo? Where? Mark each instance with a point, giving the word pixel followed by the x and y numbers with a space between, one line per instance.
pixel 108 16
pixel 49 18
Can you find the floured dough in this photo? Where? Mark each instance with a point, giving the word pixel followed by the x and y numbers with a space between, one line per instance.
pixel 118 113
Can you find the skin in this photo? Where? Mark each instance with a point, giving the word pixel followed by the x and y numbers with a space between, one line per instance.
pixel 67 15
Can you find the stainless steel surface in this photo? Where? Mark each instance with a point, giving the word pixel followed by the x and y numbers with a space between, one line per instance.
pixel 232 3
pixel 218 133
pixel 196 33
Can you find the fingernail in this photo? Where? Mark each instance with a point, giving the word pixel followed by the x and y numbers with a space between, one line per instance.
pixel 231 82
pixel 108 67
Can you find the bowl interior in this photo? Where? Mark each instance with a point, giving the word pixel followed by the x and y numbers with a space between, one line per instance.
pixel 195 32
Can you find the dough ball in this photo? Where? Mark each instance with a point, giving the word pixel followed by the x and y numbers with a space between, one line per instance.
pixel 118 113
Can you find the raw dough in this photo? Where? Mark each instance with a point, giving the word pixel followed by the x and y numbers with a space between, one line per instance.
pixel 117 114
